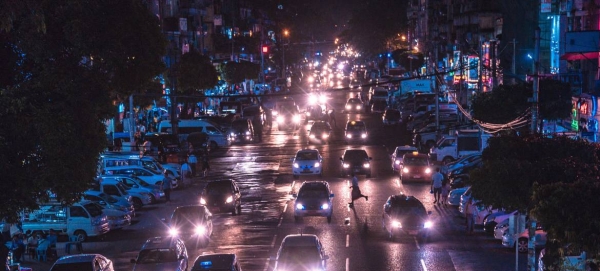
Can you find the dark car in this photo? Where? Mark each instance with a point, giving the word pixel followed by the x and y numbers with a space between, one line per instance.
pixel 166 147
pixel 319 132
pixel 354 105
pixel 192 224
pixel 313 199
pixel 255 113
pixel 416 166
pixel 288 117
pixel 241 131
pixel 406 214
pixel 356 131
pixel 222 196
pixel 391 117
pixel 356 161
pixel 378 106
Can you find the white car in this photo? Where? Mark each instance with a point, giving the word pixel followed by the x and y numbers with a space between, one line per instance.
pixel 463 201
pixel 300 252
pixel 494 219
pixel 508 240
pixel 399 152
pixel 307 162
pixel 148 175
pixel 83 262
pixel 500 229
pixel 454 196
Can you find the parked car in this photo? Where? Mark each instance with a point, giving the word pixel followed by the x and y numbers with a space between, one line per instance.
pixel 162 253
pixel 391 117
pixel 83 262
pixel 455 195
pixel 398 155
pixel 522 239
pixel 137 186
pixel 494 219
pixel 307 162
pixel 461 162
pixel 222 196
pixel 313 199
pixel 166 147
pixel 117 219
pixel 119 191
pixel 148 175
pixel 109 202
pixel 356 161
pixel 407 215
pixel 300 252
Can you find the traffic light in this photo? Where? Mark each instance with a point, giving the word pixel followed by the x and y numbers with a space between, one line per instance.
pixel 265 49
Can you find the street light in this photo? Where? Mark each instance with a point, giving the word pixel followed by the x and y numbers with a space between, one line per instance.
pixel 286 34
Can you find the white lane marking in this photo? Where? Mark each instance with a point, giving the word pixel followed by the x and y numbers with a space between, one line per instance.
pixel 280 221
pixel 417 242
pixel 266 265
pixel 347 264
pixel 285 207
pixel 347 240
pixel 273 242
pixel 423 265
pixel 281 217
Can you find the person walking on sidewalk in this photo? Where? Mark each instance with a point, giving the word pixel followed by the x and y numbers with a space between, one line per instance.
pixel 193 161
pixel 166 186
pixel 205 164
pixel 356 193
pixel 436 185
pixel 469 216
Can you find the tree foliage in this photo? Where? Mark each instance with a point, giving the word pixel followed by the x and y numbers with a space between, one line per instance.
pixel 68 61
pixel 554 179
pixel 195 73
pixel 237 72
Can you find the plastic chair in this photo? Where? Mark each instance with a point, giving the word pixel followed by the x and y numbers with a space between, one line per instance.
pixel 41 253
pixel 73 240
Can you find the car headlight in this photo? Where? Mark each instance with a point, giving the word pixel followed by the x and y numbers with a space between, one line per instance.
pixel 229 199
pixel 427 170
pixel 366 165
pixel 405 170
pixel 202 201
pixel 349 136
pixel 296 118
pixel 397 162
pixel 325 206
pixel 312 99
pixel 299 206
pixel 232 134
pixel 348 107
pixel 322 99
pixel 173 232
pixel 428 225
pixel 308 114
pixel 317 164
pixel 325 135
pixel 247 132
pixel 363 135
pixel 200 230
pixel 280 119
pixel 358 107
pixel 346 165
pixel 296 165
pixel 396 224
pixel 311 136
pixel 274 113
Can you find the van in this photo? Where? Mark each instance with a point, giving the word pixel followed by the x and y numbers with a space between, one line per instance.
pixel 82 219
pixel 139 196
pixel 218 138
pixel 109 160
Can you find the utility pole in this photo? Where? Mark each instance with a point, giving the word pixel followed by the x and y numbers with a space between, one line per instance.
pixel 536 82
pixel 480 80
pixel 514 61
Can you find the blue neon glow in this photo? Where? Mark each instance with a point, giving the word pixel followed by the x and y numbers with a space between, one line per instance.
pixel 206 263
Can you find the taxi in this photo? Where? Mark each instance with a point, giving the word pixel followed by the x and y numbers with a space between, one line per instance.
pixel 416 167
pixel 307 162
pixel 162 253
pixel 221 261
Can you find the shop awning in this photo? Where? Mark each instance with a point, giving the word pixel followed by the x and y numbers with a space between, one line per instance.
pixel 579 56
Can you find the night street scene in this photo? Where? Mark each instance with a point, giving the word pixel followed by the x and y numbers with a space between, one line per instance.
pixel 263 135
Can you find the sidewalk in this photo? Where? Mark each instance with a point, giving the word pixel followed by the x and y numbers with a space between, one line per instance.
pixel 88 247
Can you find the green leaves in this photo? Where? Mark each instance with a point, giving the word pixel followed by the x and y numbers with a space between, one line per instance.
pixel 195 72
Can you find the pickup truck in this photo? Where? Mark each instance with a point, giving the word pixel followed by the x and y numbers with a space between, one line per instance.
pixel 464 142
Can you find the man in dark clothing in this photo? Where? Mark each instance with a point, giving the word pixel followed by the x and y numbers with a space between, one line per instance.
pixel 332 118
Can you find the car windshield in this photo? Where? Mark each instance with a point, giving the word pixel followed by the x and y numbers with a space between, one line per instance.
pixel 239 125
pixel 108 198
pixel 143 183
pixel 415 161
pixel 319 125
pixel 400 153
pixel 298 255
pixel 301 156
pixel 408 210
pixel 392 114
pixel 356 127
pixel 93 209
pixel 83 266
pixel 355 155
pixel 186 215
pixel 218 188
pixel 354 101
pixel 159 255
pixel 313 193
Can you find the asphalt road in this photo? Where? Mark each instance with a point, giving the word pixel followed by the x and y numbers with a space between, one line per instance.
pixel 354 240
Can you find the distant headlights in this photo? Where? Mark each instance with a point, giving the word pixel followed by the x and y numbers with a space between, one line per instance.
pixel 202 201
pixel 299 206
pixel 280 119
pixel 428 171
pixel 325 206
pixel 405 170
pixel 349 136
pixel 346 165
pixel 296 118
pixel 397 162
pixel 396 224
pixel 200 230
pixel 366 165
pixel 229 199
pixel 348 107
pixel 173 232
pixel 363 135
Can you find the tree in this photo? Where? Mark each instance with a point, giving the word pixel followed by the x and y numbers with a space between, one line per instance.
pixel 74 59
pixel 235 73
pixel 551 178
pixel 195 73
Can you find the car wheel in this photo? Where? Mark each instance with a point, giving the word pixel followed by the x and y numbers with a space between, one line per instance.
pixel 522 245
pixel 153 199
pixel 81 235
pixel 329 219
pixel 137 203
pixel 489 227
